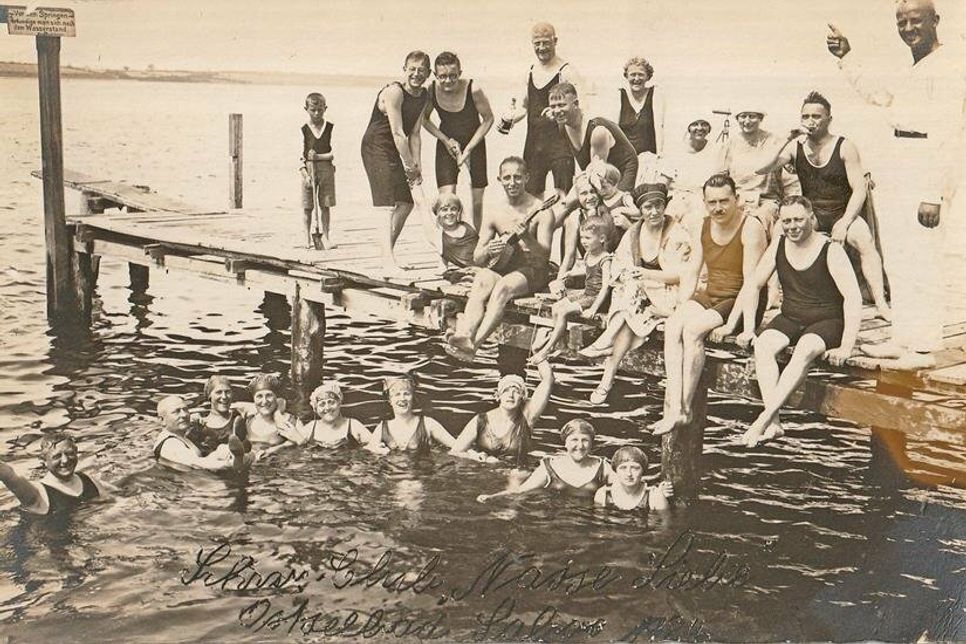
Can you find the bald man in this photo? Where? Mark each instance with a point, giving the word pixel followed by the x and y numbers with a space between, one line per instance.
pixel 544 150
pixel 925 106
pixel 174 447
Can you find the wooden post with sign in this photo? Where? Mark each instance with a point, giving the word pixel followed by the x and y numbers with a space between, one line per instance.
pixel 49 25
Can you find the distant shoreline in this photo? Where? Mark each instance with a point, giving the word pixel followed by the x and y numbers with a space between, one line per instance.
pixel 29 70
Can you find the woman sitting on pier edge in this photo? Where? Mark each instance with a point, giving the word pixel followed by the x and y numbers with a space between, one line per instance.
pixel 505 429
pixel 406 430
pixel 575 473
pixel 330 429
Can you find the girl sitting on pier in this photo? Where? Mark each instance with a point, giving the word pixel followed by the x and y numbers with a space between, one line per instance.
pixel 505 429
pixel 454 239
pixel 629 491
pixel 588 204
pixel 575 473
pixel 330 428
pixel 647 268
pixel 594 233
pixel 406 430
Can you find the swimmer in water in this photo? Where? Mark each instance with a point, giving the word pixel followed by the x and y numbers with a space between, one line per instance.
pixel 407 430
pixel 271 428
pixel 629 491
pixel 330 428
pixel 63 487
pixel 173 445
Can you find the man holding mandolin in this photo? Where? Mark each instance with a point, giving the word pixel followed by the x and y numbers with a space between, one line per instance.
pixel 514 248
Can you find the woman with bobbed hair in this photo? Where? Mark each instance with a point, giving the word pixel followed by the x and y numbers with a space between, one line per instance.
pixel 642 108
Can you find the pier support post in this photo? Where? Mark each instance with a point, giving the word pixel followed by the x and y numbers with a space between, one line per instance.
pixel 308 332
pixel 84 269
pixel 235 160
pixel 681 449
pixel 139 277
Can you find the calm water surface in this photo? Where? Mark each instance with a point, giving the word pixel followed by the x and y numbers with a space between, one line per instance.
pixel 833 547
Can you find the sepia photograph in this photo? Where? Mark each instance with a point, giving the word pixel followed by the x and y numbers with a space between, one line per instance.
pixel 461 321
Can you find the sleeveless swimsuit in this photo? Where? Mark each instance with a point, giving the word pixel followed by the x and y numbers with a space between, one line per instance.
pixel 621 155
pixel 458 251
pixel 165 437
pixel 324 170
pixel 348 440
pixel 384 168
pixel 419 442
pixel 725 272
pixel 60 501
pixel 460 126
pixel 545 149
pixel 643 504
pixel 827 186
pixel 588 489
pixel 515 443
pixel 639 126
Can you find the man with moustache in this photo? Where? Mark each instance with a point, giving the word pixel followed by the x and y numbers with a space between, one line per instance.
pixel 926 112
pixel 821 310
pixel 544 150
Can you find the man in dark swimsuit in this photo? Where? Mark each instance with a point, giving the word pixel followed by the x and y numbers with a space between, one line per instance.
pixel 833 179
pixel 821 310
pixel 62 488
pixel 543 150
pixel 730 245
pixel 527 270
pixel 594 139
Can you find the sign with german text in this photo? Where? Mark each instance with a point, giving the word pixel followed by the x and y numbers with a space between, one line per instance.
pixel 41 21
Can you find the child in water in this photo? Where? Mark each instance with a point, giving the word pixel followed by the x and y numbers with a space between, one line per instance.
pixel 628 491
pixel 62 488
pixel 594 233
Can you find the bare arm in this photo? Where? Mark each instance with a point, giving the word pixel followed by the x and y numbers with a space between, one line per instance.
pixel 431 127
pixel 844 276
pixel 482 254
pixel 601 142
pixel 755 242
pixel 362 435
pixel 392 100
pixel 570 246
pixel 467 437
pixel 482 104
pixel 541 395
pixel 26 492
pixel 538 479
pixel 439 433
pixel 856 176
pixel 783 156
pixel 750 293
pixel 692 271
pixel 177 452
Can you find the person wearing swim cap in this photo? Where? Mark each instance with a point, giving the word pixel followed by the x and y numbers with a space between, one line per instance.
pixel 271 427
pixel 505 430
pixel 574 473
pixel 330 429
pixel 629 491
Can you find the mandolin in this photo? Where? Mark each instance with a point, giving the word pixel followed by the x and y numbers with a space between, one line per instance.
pixel 502 261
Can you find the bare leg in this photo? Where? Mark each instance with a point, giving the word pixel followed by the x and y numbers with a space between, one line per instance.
pixel 400 213
pixel 477 196
pixel 562 310
pixel 673 366
pixel 767 347
pixel 307 222
pixel 625 341
pixel 469 322
pixel 324 222
pixel 509 287
pixel 605 341
pixel 695 331
pixel 808 349
pixel 859 237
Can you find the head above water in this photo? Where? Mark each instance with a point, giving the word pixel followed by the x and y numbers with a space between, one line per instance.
pixel 59 454
pixel 395 383
pixel 214 382
pixel 577 426
pixel 265 382
pixel 512 381
pixel 52 440
pixel 329 389
pixel 629 453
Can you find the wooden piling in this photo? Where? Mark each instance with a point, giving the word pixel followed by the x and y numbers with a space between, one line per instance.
pixel 681 449
pixel 308 332
pixel 235 160
pixel 61 302
pixel 139 277
pixel 84 269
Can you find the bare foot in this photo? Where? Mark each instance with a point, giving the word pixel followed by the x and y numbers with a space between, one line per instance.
pixel 913 361
pixel 884 351
pixel 754 435
pixel 237 449
pixel 592 352
pixel 883 312
pixel 668 424
pixel 774 431
pixel 463 343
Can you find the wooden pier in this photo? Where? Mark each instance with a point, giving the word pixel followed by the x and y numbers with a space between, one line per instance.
pixel 253 250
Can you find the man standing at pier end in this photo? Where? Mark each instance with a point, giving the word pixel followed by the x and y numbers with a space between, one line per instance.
pixel 925 109
pixel 544 150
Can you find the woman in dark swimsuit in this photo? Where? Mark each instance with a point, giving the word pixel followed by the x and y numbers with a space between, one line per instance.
pixel 407 431
pixel 330 428
pixel 391 145
pixel 629 491
pixel 576 473
pixel 505 429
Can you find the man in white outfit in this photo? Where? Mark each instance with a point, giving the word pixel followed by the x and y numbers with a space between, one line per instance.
pixel 925 105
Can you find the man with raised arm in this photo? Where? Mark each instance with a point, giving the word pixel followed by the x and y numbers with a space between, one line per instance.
pixel 544 150
pixel 729 244
pixel 592 139
pixel 833 180
pixel 821 310
pixel 516 269
pixel 925 104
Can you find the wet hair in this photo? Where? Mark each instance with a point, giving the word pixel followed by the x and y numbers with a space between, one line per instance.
pixel 513 159
pixel 798 200
pixel 418 55
pixel 639 61
pixel 629 453
pixel 611 174
pixel 561 90
pixel 720 180
pixel 814 98
pixel 213 382
pixel 265 381
pixel 394 381
pixel 314 97
pixel 52 440
pixel 577 426
pixel 447 58
pixel 445 199
pixel 597 225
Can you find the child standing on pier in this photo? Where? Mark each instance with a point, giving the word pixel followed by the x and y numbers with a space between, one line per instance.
pixel 318 173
